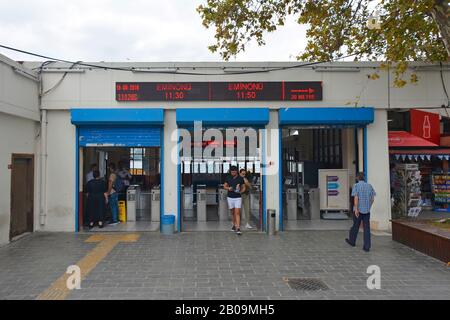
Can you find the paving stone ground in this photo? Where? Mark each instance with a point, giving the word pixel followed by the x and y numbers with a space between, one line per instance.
pixel 221 265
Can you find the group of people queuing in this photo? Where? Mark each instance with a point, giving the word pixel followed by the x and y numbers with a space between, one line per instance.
pixel 102 194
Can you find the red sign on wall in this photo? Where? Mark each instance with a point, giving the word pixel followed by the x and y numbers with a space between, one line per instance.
pixel 426 125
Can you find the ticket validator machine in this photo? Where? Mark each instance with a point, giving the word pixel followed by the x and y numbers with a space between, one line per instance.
pixel 224 214
pixel 201 203
pixel 156 204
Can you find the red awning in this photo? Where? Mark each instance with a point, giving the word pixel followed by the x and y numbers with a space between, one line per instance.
pixel 406 139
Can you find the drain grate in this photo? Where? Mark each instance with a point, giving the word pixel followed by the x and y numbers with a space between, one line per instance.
pixel 306 284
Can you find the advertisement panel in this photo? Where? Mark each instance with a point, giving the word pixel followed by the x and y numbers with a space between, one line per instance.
pixel 426 125
pixel 334 189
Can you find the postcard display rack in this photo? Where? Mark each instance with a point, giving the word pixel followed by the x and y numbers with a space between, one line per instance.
pixel 407 190
pixel 441 191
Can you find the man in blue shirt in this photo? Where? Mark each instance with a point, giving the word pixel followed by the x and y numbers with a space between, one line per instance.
pixel 364 195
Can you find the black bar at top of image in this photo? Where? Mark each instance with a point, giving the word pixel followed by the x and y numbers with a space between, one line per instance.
pixel 219 91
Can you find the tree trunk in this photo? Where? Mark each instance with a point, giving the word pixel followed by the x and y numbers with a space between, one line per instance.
pixel 441 17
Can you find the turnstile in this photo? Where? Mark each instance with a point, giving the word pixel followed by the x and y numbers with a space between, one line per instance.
pixel 132 201
pixel 201 203
pixel 314 203
pixel 156 204
pixel 291 198
pixel 188 201
pixel 224 214
pixel 255 198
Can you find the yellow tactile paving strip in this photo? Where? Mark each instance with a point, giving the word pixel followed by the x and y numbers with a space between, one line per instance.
pixel 59 291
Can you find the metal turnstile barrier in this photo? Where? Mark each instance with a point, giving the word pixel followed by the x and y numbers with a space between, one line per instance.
pixel 156 204
pixel 188 201
pixel 255 203
pixel 201 203
pixel 144 207
pixel 132 202
pixel 291 198
pixel 224 214
pixel 314 203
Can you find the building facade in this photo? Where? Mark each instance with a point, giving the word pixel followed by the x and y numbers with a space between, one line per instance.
pixel 19 131
pixel 298 138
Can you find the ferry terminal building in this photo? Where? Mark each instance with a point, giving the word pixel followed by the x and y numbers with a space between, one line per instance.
pixel 316 127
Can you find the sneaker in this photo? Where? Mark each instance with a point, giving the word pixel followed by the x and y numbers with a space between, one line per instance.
pixel 233 229
pixel 348 241
pixel 248 226
pixel 114 223
pixel 238 232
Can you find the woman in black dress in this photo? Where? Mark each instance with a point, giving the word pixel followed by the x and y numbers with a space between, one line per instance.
pixel 96 200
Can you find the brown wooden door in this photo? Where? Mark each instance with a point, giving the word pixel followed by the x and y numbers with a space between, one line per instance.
pixel 22 191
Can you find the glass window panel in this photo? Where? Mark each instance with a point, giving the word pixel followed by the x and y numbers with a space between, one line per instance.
pixel 257 167
pixel 218 166
pixel 210 167
pixel 187 167
pixel 196 167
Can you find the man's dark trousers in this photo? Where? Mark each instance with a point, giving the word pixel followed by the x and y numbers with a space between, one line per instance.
pixel 365 218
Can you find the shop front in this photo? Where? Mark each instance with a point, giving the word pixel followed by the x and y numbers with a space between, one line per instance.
pixel 129 143
pixel 322 149
pixel 419 166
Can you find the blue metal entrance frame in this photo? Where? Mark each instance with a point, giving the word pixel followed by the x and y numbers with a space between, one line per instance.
pixel 223 117
pixel 231 117
pixel 336 116
pixel 119 116
pixel 107 117
pixel 326 116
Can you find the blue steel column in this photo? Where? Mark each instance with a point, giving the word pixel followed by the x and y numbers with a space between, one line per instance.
pixel 280 175
pixel 77 178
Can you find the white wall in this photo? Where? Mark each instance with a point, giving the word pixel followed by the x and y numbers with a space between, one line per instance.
pixel 378 170
pixel 272 163
pixel 18 93
pixel 96 88
pixel 60 173
pixel 19 116
pixel 170 164
pixel 18 136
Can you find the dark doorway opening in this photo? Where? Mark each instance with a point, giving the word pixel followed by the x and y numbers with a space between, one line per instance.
pixel 22 194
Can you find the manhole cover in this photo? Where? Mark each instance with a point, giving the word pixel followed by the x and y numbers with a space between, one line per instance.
pixel 306 284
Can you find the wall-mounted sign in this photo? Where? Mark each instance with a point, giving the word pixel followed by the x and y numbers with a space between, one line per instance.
pixel 219 91
pixel 426 125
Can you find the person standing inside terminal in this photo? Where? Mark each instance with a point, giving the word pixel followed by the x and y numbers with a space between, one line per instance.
pixel 245 195
pixel 364 195
pixel 126 177
pixel 90 174
pixel 96 200
pixel 235 186
pixel 113 196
